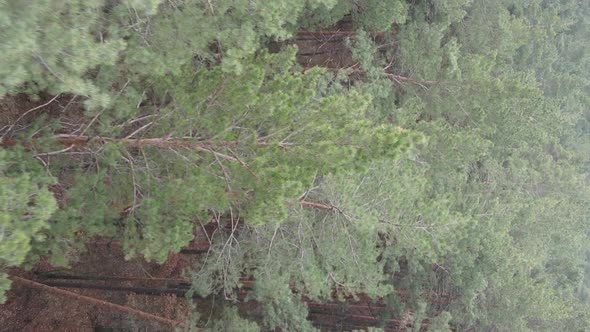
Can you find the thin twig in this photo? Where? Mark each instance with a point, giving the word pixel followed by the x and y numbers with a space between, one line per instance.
pixel 242 163
pixel 140 129
pixel 46 65
pixel 205 232
pixel 69 103
pixel 136 190
pixel 225 175
pixel 272 239
pixel 55 152
pixel 138 119
pixel 210 7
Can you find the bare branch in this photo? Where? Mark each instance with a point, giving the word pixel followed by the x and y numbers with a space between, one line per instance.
pixel 140 129
pixel 55 152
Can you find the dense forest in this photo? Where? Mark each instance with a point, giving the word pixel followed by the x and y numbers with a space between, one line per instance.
pixel 426 159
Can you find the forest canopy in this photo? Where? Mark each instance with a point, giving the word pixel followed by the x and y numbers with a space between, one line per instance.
pixel 446 151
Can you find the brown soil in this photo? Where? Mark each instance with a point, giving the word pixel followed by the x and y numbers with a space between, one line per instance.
pixel 30 309
pixel 325 48
pixel 20 112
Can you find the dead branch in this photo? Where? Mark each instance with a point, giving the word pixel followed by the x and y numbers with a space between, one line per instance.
pixel 332 33
pixel 320 206
pixel 158 142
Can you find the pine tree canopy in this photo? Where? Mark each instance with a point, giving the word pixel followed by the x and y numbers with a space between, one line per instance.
pixel 438 171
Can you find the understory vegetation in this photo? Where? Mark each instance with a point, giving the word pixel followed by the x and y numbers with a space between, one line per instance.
pixel 441 171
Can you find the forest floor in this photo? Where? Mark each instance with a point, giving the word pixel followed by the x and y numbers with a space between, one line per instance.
pixel 21 112
pixel 29 309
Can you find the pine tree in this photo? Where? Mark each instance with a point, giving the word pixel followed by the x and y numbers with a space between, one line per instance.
pixel 451 162
pixel 260 139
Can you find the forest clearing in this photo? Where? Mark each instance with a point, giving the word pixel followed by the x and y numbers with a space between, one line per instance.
pixel 295 165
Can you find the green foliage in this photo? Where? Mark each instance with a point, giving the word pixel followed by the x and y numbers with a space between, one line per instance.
pixel 456 161
pixel 5 284
pixel 231 321
pixel 286 312
pixel 52 45
pixel 493 128
pixel 326 14
pixel 371 15
pixel 26 205
pixel 379 15
pixel 289 133
pixel 261 138
pixel 106 51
